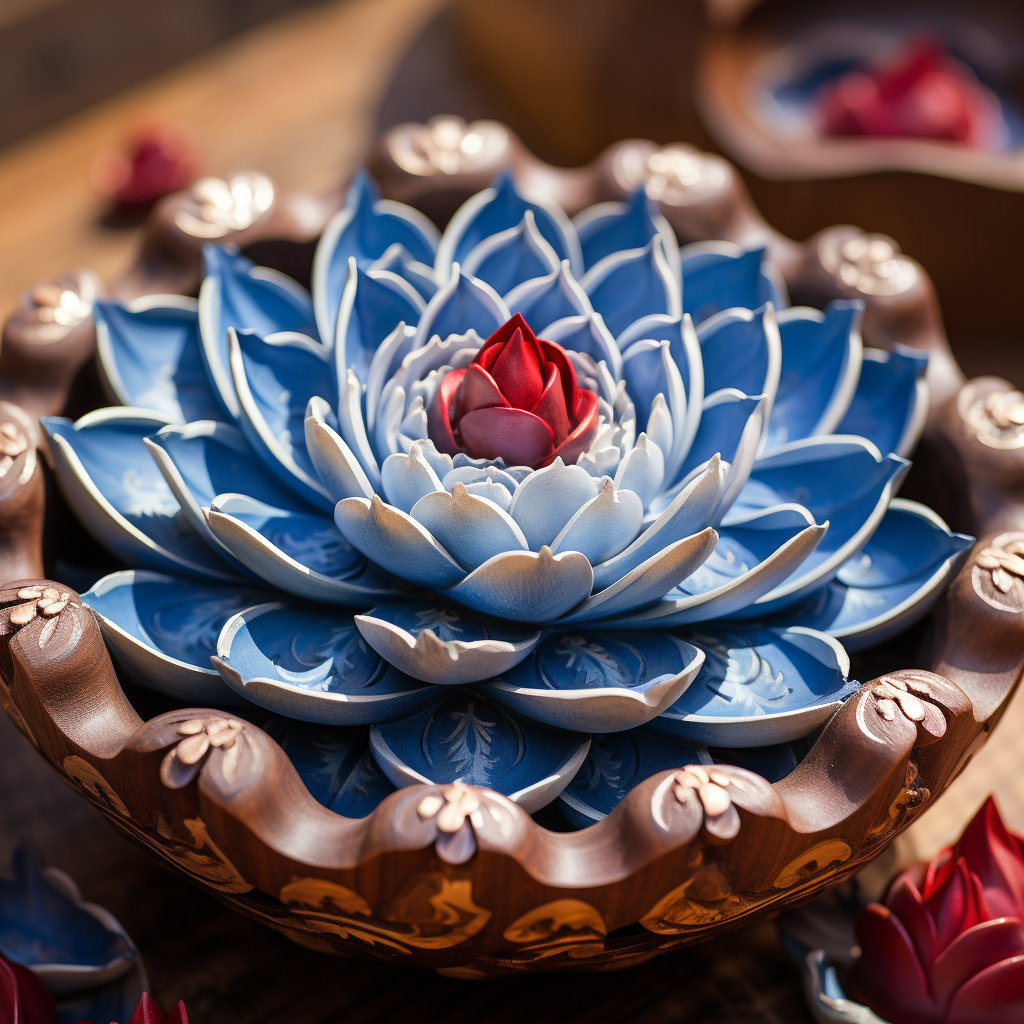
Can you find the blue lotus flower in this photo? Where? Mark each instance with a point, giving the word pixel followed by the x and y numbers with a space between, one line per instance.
pixel 723 515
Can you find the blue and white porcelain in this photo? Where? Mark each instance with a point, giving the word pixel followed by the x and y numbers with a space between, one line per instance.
pixel 615 763
pixel 735 492
pixel 759 686
pixel 466 738
pixel 334 763
pixel 599 682
pixel 46 926
pixel 313 665
pixel 163 630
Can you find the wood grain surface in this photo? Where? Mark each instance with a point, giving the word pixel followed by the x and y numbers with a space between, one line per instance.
pixel 230 970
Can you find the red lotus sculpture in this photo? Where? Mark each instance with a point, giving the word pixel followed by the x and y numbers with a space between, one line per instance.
pixel 518 400
pixel 948 945
pixel 149 1013
pixel 24 999
pixel 924 93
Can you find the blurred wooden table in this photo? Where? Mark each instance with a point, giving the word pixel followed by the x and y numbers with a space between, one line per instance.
pixel 296 99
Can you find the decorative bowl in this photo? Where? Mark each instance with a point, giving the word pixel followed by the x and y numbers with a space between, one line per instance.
pixel 299 822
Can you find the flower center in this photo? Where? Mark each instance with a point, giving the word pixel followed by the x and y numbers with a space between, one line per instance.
pixel 518 401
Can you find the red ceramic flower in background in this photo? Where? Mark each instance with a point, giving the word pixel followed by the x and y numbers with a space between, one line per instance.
pixel 518 400
pixel 924 93
pixel 24 999
pixel 948 945
pixel 159 161
pixel 149 1013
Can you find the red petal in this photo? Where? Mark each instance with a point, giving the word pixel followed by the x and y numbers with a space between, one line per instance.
pixel 891 978
pixel 439 424
pixel 994 857
pixel 995 996
pixel 24 999
pixel 477 391
pixel 517 436
pixel 586 415
pixel 517 372
pixel 904 900
pixel 491 348
pixel 957 905
pixel 940 868
pixel 977 948
pixel 550 406
pixel 147 1012
pixel 556 354
pixel 178 1015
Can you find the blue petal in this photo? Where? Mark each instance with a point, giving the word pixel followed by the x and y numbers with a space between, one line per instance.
pixel 512 256
pixel 615 226
pixel 275 378
pixel 334 763
pixel 236 293
pixel 299 553
pixel 759 686
pixel 164 629
pixel 845 484
pixel 45 925
pixel 396 542
pixel 683 344
pixel 617 763
pixel 731 425
pixel 313 666
pixel 151 356
pixel 106 475
pixel 628 285
pixel 546 299
pixel 741 349
pixel 366 227
pixel 719 276
pixel 463 304
pixel 466 738
pixel 891 400
pixel 891 582
pixel 598 682
pixel 586 333
pixel 526 586
pixel 372 306
pixel 442 646
pixel 201 460
pixel 715 591
pixel 499 208
pixel 821 362
pixel 400 262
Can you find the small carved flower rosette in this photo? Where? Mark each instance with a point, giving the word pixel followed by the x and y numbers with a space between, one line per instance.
pixel 864 265
pixel 993 410
pixel 998 572
pixel 448 146
pixel 461 813
pixel 706 797
pixel 196 739
pixel 676 175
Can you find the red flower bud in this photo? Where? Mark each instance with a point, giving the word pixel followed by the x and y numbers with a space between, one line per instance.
pixel 24 999
pixel 148 1012
pixel 948 945
pixel 518 400
pixel 923 93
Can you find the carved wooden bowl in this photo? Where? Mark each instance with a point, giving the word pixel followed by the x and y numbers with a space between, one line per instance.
pixel 460 878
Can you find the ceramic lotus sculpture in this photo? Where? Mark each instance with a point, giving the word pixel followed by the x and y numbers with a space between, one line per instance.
pixel 947 947
pixel 486 495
